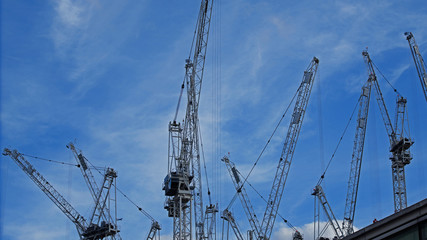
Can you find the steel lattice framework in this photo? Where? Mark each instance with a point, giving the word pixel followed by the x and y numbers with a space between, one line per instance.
pixel 399 143
pixel 183 184
pixel 285 161
pixel 419 62
pixel 86 230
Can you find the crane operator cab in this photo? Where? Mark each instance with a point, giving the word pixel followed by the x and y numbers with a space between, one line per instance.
pixel 175 183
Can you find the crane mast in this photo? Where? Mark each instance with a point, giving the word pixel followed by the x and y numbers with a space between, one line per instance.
pixel 288 150
pixel 419 62
pixel 401 157
pixel 183 184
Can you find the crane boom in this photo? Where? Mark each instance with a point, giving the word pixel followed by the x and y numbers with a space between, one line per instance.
pixel 48 189
pixel 356 161
pixel 288 149
pixel 86 172
pixel 241 191
pixel 419 62
pixel 379 97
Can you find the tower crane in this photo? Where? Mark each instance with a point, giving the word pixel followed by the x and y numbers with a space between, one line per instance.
pixel 264 230
pixel 183 183
pixel 419 62
pixel 100 196
pixel 101 210
pixel 355 167
pixel 399 147
pixel 86 231
pixel 399 143
pixel 285 161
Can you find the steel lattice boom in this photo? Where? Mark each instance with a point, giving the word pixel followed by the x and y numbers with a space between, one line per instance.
pixel 241 191
pixel 288 150
pixel 356 160
pixel 86 230
pixel 419 62
pixel 48 189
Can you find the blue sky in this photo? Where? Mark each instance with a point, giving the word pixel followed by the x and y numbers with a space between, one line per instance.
pixel 107 74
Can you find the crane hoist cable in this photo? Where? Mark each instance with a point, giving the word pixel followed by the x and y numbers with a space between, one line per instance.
pixel 265 146
pixel 394 89
pixel 121 192
pixel 339 143
pixel 272 135
pixel 50 160
pixel 179 100
pixel 265 200
pixel 124 195
pixel 348 123
pixel 204 165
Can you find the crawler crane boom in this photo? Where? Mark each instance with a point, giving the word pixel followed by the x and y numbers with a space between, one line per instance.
pixel 419 62
pixel 288 150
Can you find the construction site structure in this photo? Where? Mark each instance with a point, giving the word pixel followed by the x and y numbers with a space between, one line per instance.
pixel 101 211
pixel 183 183
pixel 237 177
pixel 87 230
pixel 288 149
pixel 355 167
pixel 229 218
pixel 399 147
pixel 419 62
pixel 264 230
pixel 244 198
pixel 399 143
